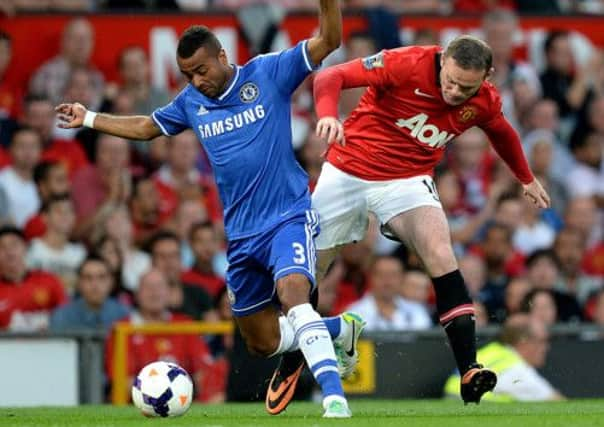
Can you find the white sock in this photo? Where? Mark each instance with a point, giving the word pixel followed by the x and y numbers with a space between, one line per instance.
pixel 288 342
pixel 315 342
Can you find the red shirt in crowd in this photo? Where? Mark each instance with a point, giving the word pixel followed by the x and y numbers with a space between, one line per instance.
pixel 402 124
pixel 68 152
pixel 187 350
pixel 27 305
pixel 209 282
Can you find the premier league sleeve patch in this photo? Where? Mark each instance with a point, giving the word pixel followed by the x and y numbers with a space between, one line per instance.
pixel 374 61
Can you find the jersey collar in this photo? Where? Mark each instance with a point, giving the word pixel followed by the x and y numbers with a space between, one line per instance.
pixel 231 84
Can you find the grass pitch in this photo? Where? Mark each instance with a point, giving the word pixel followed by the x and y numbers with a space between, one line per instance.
pixel 375 413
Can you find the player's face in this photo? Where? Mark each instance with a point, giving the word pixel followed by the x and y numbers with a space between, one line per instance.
pixel 457 84
pixel 207 72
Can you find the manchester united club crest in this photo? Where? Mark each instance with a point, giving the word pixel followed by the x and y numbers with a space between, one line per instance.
pixel 249 92
pixel 466 114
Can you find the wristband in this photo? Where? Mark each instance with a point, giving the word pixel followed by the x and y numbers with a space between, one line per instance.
pixel 89 119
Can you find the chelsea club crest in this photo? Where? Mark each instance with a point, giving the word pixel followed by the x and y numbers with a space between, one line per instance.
pixel 249 92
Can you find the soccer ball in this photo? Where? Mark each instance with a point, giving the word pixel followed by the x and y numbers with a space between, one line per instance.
pixel 162 389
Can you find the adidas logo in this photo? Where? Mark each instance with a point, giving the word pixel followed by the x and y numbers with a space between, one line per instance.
pixel 202 110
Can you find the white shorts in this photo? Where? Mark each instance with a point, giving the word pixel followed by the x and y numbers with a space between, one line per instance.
pixel 344 201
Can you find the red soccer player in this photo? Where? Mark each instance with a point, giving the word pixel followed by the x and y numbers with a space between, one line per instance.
pixel 418 100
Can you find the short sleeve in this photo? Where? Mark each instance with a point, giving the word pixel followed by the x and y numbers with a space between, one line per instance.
pixel 171 118
pixel 289 67
pixel 390 68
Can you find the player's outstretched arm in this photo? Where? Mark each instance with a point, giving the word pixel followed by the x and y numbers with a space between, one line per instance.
pixel 330 31
pixel 130 127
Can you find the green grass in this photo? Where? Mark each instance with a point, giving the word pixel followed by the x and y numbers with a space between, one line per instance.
pixel 375 413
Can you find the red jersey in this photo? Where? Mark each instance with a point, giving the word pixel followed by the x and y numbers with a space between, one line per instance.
pixel 402 124
pixel 209 282
pixel 187 350
pixel 28 304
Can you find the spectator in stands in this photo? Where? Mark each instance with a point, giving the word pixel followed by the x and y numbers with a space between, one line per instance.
pixel 558 80
pixel 519 351
pixel 189 211
pixel 470 161
pixel 543 271
pixel 17 181
pixel 205 244
pixel 93 308
pixel 541 305
pixel 108 249
pixel 311 157
pixel 500 28
pixel 79 88
pixel 10 94
pixel 416 286
pixel 533 232
pixel 114 222
pixel 191 300
pixel 540 147
pixel 135 76
pixel 178 176
pixel 382 308
pixel 39 115
pixel 77 44
pixel 51 180
pixel 569 247
pixel 425 37
pixel 53 252
pixel 27 297
pixel 515 293
pixel 105 183
pixel 474 271
pixel 349 275
pixel 145 210
pixel 586 179
pixel 581 213
pixel 188 350
pixel 358 45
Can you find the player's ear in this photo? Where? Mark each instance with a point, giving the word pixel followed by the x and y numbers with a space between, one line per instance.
pixel 222 57
pixel 490 73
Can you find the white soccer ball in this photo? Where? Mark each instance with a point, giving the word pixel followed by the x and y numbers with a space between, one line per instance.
pixel 162 389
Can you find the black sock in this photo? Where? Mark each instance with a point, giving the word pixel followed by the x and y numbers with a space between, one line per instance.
pixel 456 314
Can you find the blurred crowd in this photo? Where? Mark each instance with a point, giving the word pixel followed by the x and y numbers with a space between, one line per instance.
pixel 11 7
pixel 98 229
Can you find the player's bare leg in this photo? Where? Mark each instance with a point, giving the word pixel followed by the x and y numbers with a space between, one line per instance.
pixel 426 230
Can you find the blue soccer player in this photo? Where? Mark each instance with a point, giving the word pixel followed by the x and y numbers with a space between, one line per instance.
pixel 241 115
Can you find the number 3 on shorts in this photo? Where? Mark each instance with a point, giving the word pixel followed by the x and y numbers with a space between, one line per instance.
pixel 299 257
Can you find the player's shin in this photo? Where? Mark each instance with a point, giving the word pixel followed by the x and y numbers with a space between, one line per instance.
pixel 314 340
pixel 456 314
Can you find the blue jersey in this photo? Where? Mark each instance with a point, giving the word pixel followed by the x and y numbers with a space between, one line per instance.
pixel 246 133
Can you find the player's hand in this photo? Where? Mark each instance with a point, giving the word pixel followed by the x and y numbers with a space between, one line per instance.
pixel 70 115
pixel 331 130
pixel 537 194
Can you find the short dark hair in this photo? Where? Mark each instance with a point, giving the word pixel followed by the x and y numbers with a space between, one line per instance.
pixel 195 37
pixel 470 53
pixel 42 170
pixel 201 225
pixel 93 257
pixel 11 229
pixel 54 199
pixel 551 39
pixel 20 129
pixel 538 254
pixel 160 236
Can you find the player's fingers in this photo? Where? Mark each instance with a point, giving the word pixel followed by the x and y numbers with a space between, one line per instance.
pixel 321 130
pixel 333 132
pixel 64 117
pixel 63 108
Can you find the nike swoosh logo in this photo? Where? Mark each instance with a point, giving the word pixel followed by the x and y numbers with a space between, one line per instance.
pixel 350 352
pixel 284 392
pixel 420 93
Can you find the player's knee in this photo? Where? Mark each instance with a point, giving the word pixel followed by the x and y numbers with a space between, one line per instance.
pixel 264 347
pixel 293 290
pixel 442 258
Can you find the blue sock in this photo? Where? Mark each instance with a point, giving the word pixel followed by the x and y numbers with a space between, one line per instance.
pixel 329 381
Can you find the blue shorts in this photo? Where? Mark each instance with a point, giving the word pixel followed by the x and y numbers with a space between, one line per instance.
pixel 257 262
